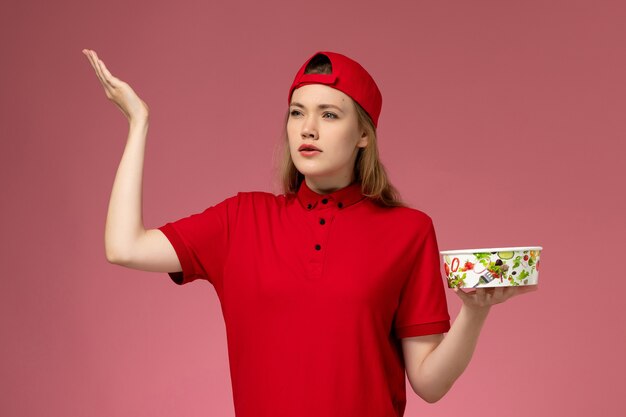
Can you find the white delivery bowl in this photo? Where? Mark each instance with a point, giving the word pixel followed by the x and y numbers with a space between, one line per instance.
pixel 492 267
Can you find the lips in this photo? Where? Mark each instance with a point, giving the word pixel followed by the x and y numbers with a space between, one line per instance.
pixel 308 148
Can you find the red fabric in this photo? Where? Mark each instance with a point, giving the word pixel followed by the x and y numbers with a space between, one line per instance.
pixel 347 76
pixel 315 330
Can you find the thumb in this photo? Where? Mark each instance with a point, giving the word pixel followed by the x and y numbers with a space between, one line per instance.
pixel 458 291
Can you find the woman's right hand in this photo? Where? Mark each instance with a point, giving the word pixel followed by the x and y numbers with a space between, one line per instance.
pixel 119 92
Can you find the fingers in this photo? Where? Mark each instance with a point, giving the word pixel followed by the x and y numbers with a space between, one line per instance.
pixel 97 65
pixel 90 56
pixel 108 77
pixel 523 289
pixel 467 295
pixel 91 61
pixel 495 295
pixel 486 296
pixel 101 74
pixel 499 295
pixel 458 291
pixel 528 288
pixel 477 298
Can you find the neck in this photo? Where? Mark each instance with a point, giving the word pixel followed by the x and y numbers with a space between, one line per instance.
pixel 326 186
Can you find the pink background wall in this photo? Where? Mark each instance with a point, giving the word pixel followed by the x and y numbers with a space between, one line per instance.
pixel 503 120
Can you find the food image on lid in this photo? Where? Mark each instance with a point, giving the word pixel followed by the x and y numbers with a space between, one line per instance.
pixel 491 267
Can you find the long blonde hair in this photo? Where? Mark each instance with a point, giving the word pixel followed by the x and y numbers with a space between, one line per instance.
pixel 368 169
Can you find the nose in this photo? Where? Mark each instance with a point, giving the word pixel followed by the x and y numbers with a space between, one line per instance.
pixel 309 130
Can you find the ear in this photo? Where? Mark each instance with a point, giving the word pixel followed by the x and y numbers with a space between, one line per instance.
pixel 364 140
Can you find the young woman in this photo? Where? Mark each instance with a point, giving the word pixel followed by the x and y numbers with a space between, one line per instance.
pixel 331 291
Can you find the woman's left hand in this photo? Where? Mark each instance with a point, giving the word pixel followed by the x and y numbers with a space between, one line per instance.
pixel 484 298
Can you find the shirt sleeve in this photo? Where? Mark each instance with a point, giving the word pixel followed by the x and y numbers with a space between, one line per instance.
pixel 201 241
pixel 423 308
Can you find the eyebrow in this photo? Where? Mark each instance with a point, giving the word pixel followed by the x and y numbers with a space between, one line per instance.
pixel 319 106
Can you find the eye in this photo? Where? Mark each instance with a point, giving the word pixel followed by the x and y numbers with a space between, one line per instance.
pixel 294 112
pixel 332 114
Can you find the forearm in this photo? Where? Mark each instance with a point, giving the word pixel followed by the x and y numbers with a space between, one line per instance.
pixel 446 363
pixel 124 222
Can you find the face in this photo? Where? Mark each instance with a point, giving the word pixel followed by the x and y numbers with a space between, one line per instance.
pixel 325 118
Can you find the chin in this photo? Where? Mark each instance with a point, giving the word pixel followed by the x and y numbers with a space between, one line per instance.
pixel 308 172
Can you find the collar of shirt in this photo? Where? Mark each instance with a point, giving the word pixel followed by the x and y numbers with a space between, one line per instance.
pixel 342 198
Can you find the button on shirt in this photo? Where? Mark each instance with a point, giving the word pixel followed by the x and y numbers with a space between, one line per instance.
pixel 316 292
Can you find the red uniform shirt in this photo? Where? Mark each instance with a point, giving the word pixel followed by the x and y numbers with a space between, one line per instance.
pixel 316 292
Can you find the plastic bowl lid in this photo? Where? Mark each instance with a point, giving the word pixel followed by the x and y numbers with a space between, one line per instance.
pixel 489 250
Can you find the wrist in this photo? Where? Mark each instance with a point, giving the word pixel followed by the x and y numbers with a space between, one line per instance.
pixel 476 313
pixel 139 122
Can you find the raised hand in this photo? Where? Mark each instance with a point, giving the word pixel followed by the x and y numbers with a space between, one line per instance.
pixel 484 298
pixel 119 92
